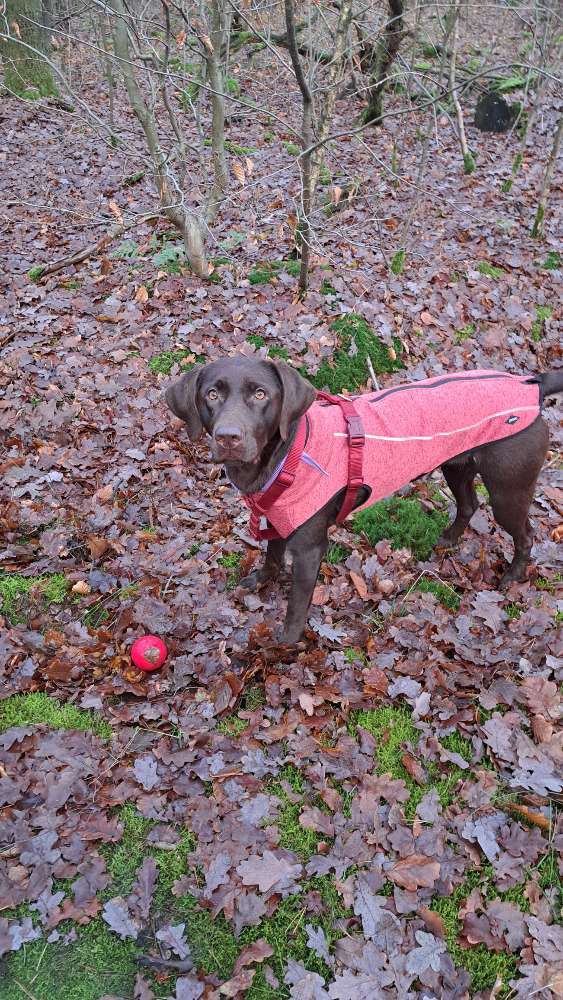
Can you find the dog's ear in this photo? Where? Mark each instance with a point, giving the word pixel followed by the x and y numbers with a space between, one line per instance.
pixel 298 394
pixel 182 400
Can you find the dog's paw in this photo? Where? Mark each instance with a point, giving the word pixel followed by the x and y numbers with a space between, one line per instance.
pixel 251 581
pixel 447 540
pixel 512 576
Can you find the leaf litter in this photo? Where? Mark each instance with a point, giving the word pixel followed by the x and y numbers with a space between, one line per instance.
pixel 100 484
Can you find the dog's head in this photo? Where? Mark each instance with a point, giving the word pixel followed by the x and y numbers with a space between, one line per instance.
pixel 241 403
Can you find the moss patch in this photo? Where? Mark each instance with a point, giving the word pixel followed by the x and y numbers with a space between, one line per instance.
pixel 404 522
pixel 542 313
pixel 37 707
pixel 348 368
pixel 232 561
pixel 444 594
pixel 490 271
pixel 265 271
pixel 16 593
pixel 395 732
pixel 293 836
pixel 484 966
pixel 464 333
pixel 336 553
pixel 232 726
pixel 164 362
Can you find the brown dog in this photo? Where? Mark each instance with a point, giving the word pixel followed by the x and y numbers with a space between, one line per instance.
pixel 252 411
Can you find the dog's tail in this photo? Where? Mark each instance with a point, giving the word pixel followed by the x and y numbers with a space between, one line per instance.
pixel 551 383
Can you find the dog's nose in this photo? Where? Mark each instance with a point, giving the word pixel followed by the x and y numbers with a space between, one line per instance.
pixel 228 436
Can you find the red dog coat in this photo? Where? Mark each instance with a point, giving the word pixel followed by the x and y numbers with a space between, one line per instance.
pixel 409 430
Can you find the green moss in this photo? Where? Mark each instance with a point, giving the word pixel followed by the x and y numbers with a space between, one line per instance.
pixel 394 732
pixel 127 250
pixel 232 726
pixel 464 333
pixel 265 271
pixel 256 340
pixel 404 522
pixel 292 148
pixel 37 707
pixel 484 966
pixel 552 262
pixel 445 594
pixel 15 593
pixel 456 743
pixel 97 962
pixel 35 273
pixel 468 163
pixel 542 313
pixel 236 150
pixel 164 362
pixel 398 262
pixel 489 270
pixel 542 583
pixel 293 836
pixel 326 288
pixel 253 697
pixel 336 553
pixel 286 934
pixel 513 611
pixel 429 50
pixel 232 561
pixel 354 655
pixel 133 179
pixel 347 368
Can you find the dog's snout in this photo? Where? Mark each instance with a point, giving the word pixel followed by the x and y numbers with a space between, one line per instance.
pixel 228 436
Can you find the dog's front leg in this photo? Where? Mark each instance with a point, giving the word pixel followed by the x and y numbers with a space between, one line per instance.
pixel 271 568
pixel 307 546
pixel 305 570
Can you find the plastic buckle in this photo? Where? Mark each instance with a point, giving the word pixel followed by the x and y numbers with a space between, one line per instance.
pixel 285 478
pixel 355 429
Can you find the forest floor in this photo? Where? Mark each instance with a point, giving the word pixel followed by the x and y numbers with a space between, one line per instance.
pixel 375 813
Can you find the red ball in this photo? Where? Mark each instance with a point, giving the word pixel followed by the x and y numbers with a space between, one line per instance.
pixel 149 652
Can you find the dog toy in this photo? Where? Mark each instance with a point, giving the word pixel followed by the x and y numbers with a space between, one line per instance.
pixel 148 652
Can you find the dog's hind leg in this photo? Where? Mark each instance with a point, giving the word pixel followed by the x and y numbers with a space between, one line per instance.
pixel 510 469
pixel 459 475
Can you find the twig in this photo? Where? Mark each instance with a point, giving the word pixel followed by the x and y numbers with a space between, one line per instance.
pixel 93 248
pixel 372 374
pixel 148 961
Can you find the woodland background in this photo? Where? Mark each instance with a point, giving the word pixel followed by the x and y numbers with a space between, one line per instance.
pixel 377 812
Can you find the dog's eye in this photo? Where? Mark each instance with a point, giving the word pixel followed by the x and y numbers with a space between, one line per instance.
pixel 212 394
pixel 259 394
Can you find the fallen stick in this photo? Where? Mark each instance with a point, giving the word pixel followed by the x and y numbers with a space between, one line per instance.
pixel 92 249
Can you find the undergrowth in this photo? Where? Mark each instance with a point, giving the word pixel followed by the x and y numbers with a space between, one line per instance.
pixel 37 707
pixel 404 522
pixel 17 595
pixel 395 734
pixel 348 369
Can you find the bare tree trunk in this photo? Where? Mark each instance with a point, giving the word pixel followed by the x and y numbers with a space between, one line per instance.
pixel 215 76
pixel 23 40
pixel 468 161
pixel 537 228
pixel 386 51
pixel 304 212
pixel 170 193
pixel 335 77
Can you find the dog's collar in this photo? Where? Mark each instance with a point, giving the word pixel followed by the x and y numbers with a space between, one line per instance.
pixel 282 478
